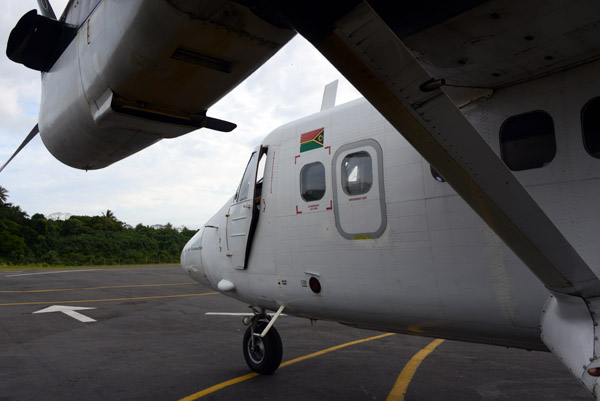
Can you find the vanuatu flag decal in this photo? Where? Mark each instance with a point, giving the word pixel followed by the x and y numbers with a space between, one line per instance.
pixel 312 140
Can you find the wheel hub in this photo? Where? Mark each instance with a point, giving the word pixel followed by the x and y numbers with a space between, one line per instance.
pixel 256 350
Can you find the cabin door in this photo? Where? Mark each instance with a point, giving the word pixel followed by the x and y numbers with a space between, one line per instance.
pixel 358 190
pixel 242 217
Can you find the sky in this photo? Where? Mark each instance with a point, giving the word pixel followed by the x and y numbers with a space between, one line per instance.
pixel 182 181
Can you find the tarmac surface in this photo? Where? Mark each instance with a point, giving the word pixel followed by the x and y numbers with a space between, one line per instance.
pixel 148 338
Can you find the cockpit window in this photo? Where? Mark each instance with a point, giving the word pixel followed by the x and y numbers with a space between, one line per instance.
pixel 248 179
pixel 312 181
pixel 357 173
pixel 590 125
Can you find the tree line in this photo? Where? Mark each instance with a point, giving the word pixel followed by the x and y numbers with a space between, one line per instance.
pixel 83 240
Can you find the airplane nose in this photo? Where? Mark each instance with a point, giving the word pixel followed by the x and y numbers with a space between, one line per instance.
pixel 191 258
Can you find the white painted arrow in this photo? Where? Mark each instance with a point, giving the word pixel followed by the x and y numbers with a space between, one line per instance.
pixel 69 311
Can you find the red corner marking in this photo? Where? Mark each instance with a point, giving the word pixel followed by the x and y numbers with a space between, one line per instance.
pixel 296 158
pixel 297 211
pixel 328 148
pixel 330 205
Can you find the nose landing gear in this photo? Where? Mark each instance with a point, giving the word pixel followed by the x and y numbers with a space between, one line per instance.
pixel 262 348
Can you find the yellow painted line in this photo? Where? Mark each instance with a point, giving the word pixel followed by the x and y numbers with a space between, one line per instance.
pixel 219 386
pixel 249 376
pixel 401 385
pixel 325 351
pixel 96 288
pixel 108 300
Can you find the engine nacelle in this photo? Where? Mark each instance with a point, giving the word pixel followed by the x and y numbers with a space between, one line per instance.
pixel 140 71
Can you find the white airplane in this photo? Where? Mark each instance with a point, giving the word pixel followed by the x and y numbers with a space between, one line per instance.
pixel 339 216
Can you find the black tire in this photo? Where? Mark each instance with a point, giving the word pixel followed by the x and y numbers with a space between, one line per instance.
pixel 266 355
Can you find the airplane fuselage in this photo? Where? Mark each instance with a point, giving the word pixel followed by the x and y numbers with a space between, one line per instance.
pixel 406 254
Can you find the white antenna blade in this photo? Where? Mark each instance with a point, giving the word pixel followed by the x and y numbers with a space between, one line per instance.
pixel 329 95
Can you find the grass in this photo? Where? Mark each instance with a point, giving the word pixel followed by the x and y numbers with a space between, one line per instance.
pixel 63 267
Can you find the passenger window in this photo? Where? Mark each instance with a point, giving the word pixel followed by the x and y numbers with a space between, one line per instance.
pixel 527 141
pixel 357 173
pixel 590 125
pixel 312 182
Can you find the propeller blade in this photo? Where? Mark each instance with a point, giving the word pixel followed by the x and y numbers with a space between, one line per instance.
pixel 46 10
pixel 31 135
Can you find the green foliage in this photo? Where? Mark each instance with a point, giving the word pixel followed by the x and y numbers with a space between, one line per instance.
pixel 3 195
pixel 84 240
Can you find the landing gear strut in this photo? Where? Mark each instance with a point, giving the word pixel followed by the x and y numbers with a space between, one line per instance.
pixel 262 352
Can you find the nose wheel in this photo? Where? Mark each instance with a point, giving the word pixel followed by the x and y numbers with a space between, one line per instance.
pixel 262 354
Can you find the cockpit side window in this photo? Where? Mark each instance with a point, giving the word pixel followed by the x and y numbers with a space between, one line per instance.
pixel 245 189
